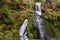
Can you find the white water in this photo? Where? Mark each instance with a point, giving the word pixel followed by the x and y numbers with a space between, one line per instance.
pixel 38 8
pixel 22 32
pixel 39 20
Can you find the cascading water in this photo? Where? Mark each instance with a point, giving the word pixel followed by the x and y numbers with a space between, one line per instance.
pixel 39 20
pixel 22 32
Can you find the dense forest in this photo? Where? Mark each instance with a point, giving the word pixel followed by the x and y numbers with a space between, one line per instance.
pixel 14 12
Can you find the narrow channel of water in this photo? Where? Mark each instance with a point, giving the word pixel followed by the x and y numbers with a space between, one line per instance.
pixel 39 21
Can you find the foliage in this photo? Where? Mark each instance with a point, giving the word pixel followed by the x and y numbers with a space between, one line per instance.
pixel 31 30
pixel 51 23
pixel 58 4
pixel 12 14
pixel 9 35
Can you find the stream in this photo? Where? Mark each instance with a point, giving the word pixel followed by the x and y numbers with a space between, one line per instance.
pixel 40 26
pixel 39 21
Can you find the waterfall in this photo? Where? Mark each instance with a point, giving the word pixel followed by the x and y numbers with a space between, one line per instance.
pixel 22 32
pixel 39 20
pixel 38 8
